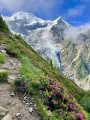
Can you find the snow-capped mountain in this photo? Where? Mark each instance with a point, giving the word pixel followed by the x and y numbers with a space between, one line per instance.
pixel 48 39
pixel 38 33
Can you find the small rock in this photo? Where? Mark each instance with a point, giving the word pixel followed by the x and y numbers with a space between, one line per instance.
pixel 12 94
pixel 3 70
pixel 3 111
pixel 35 105
pixel 7 117
pixel 11 79
pixel 22 75
pixel 25 98
pixel 49 113
pixel 30 103
pixel 27 103
pixel 18 114
pixel 35 108
pixel 30 109
pixel 11 61
pixel 14 64
pixel 27 108
pixel 23 101
pixel 3 51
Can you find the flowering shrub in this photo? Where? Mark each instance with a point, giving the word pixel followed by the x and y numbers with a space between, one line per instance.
pixel 61 101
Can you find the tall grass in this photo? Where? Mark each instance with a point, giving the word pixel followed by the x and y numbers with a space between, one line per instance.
pixel 28 69
pixel 2 58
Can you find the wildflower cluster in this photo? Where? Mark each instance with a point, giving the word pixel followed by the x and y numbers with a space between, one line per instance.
pixel 61 101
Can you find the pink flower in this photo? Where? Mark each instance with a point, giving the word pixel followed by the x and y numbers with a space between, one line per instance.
pixel 67 104
pixel 70 105
pixel 80 115
pixel 57 102
pixel 74 114
pixel 51 86
pixel 61 104
pixel 71 116
pixel 76 118
pixel 61 110
pixel 53 100
pixel 54 83
pixel 49 96
pixel 74 108
pixel 37 63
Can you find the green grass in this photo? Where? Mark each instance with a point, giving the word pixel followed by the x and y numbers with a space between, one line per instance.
pixel 3 76
pixel 13 50
pixel 2 58
pixel 85 102
pixel 40 63
pixel 28 69
pixel 34 67
pixel 5 40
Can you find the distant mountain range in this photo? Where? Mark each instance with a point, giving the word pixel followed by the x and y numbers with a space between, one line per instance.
pixel 49 39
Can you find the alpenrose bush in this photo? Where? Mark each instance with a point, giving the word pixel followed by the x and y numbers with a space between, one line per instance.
pixel 60 101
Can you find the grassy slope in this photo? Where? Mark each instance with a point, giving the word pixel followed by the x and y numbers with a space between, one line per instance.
pixel 18 47
pixel 34 67
pixel 2 58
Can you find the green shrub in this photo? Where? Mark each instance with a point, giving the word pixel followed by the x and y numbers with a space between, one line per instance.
pixel 13 50
pixel 42 110
pixel 85 102
pixel 3 76
pixel 5 40
pixel 3 26
pixel 2 58
pixel 28 69
pixel 50 62
pixel 18 37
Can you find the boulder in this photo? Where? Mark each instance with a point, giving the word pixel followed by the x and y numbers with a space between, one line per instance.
pixel 3 112
pixel 30 109
pixel 7 117
pixel 11 79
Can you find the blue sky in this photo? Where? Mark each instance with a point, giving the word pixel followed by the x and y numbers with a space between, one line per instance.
pixel 76 12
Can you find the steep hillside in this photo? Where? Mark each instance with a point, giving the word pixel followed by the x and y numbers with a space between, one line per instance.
pixel 49 40
pixel 55 94
pixel 76 61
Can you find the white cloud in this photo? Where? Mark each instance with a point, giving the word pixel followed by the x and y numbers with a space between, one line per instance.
pixel 11 5
pixel 34 6
pixel 74 32
pixel 77 11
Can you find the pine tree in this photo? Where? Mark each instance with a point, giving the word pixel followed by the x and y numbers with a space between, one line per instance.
pixel 3 26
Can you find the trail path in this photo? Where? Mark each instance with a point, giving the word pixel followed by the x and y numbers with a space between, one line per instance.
pixel 15 104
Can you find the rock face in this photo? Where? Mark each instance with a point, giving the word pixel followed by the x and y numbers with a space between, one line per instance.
pixel 48 39
pixel 3 112
pixel 7 117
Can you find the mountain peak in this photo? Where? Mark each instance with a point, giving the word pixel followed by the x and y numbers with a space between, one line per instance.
pixel 22 15
pixel 60 21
